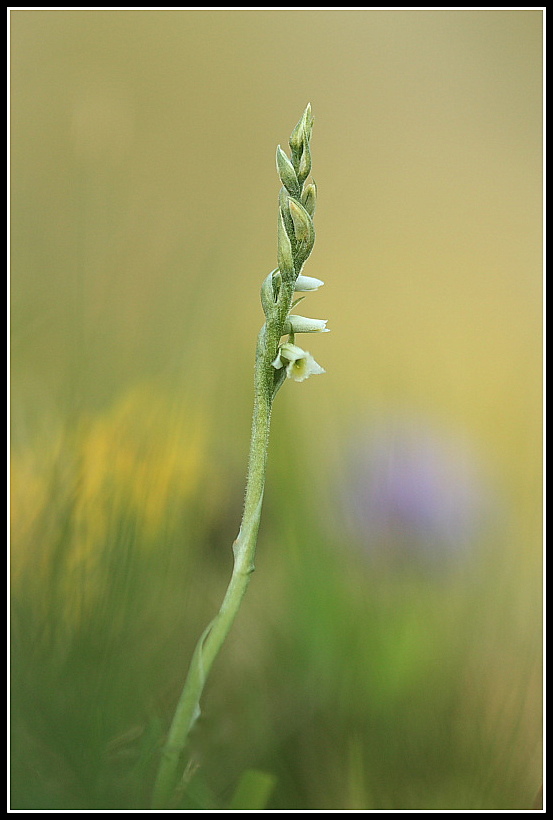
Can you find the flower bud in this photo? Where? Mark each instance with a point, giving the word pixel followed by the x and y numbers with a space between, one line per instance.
pixel 284 251
pixel 308 120
pixel 303 225
pixel 268 296
pixel 304 167
pixel 301 135
pixel 283 204
pixel 304 248
pixel 286 172
pixel 296 138
pixel 309 198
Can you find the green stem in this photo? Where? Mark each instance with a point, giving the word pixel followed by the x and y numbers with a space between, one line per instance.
pixel 295 241
pixel 213 637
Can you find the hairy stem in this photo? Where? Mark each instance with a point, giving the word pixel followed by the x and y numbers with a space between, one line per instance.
pixel 214 636
pixel 272 363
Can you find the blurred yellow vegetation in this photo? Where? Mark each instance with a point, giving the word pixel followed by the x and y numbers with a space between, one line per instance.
pixel 143 456
pixel 122 478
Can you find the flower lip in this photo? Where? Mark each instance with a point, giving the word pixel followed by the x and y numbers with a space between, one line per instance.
pixel 298 362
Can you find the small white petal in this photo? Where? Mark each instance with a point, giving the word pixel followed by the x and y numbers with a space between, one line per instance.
pixel 302 368
pixel 290 352
pixel 307 283
pixel 301 324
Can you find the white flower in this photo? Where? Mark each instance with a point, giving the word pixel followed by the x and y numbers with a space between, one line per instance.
pixel 298 363
pixel 301 324
pixel 304 283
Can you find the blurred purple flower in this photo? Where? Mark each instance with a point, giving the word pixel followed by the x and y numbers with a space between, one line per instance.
pixel 414 492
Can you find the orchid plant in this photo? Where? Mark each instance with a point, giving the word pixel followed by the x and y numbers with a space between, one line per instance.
pixel 275 361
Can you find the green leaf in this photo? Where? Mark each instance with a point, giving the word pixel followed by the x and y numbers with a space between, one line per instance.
pixel 253 791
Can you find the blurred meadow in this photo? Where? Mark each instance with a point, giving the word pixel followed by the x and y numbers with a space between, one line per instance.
pixel 388 652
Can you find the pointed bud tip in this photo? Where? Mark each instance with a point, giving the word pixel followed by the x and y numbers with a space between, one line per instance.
pixel 303 224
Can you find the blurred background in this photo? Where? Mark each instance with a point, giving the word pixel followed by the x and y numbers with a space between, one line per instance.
pixel 388 652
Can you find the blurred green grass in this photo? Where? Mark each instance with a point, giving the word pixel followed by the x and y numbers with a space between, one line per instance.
pixel 353 685
pixel 143 222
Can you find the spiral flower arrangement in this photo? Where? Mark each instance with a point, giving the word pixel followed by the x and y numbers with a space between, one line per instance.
pixel 296 237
